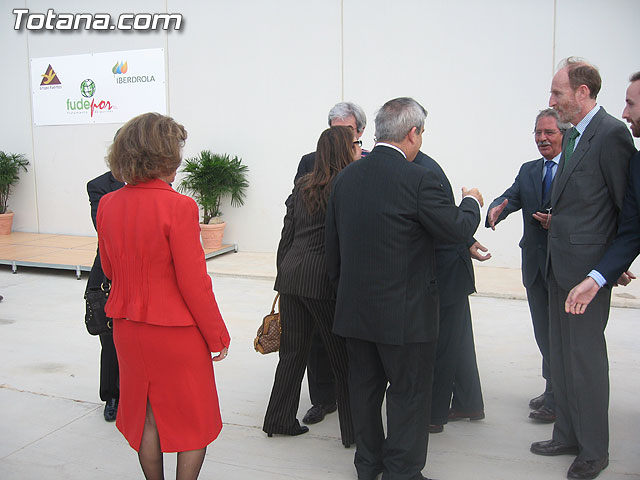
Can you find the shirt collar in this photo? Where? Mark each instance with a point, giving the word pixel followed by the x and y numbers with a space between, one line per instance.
pixel 582 124
pixel 382 144
pixel 555 159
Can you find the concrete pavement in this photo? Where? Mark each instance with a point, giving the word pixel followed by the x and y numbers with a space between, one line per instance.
pixel 51 423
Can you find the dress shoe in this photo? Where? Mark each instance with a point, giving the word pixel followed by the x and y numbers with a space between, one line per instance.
pixel 299 430
pixel 111 410
pixel 436 428
pixel 587 468
pixel 456 415
pixel 536 403
pixel 543 415
pixel 552 448
pixel 317 413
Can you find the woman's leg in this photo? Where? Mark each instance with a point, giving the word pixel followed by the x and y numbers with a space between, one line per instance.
pixel 295 341
pixel 150 455
pixel 189 464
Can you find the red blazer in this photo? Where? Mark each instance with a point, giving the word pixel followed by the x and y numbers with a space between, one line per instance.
pixel 149 240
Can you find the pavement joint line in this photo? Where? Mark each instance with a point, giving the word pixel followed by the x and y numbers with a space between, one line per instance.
pixel 243 275
pixel 89 412
pixel 19 390
pixel 263 468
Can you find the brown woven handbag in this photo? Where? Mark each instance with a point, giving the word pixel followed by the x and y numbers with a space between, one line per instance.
pixel 268 338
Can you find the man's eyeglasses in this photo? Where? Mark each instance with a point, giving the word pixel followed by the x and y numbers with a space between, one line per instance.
pixel 358 142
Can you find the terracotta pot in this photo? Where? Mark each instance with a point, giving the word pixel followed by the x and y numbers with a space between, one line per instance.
pixel 212 235
pixel 6 221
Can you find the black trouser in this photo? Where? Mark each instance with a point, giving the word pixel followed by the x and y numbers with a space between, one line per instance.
pixel 467 391
pixel 456 371
pixel 408 371
pixel 538 298
pixel 322 383
pixel 109 373
pixel 299 316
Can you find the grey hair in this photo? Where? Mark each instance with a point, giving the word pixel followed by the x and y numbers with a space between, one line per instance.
pixel 343 110
pixel 550 112
pixel 635 77
pixel 397 117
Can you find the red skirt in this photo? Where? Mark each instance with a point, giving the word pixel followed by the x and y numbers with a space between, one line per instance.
pixel 171 367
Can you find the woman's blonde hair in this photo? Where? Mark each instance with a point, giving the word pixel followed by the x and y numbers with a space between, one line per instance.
pixel 146 147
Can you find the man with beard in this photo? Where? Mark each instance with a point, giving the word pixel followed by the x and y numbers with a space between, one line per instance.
pixel 586 200
pixel 531 192
pixel 626 246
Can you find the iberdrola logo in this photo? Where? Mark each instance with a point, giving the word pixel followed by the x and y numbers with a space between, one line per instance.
pixel 120 68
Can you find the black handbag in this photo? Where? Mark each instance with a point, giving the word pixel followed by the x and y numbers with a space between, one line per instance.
pixel 95 319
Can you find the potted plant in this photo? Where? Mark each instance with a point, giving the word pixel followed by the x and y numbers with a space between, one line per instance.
pixel 208 178
pixel 10 166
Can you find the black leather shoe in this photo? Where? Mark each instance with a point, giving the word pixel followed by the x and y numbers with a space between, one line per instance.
pixel 111 410
pixel 317 413
pixel 299 430
pixel 543 415
pixel 551 448
pixel 587 468
pixel 457 415
pixel 436 428
pixel 537 403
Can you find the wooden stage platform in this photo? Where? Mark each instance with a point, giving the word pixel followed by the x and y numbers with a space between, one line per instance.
pixel 65 252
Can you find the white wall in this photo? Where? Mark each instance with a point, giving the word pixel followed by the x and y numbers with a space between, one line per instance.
pixel 256 79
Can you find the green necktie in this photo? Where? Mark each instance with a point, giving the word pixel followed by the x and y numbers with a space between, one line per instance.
pixel 569 148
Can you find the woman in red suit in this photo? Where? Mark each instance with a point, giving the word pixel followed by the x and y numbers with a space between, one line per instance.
pixel 166 320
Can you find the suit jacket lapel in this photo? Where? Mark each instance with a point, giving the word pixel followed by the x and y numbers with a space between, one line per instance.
pixel 577 156
pixel 536 178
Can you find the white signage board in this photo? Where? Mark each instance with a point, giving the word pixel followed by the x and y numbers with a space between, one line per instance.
pixel 109 87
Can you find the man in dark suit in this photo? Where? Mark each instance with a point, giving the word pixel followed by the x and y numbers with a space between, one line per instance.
pixel 109 372
pixel 346 114
pixel 383 219
pixel 456 370
pixel 531 192
pixel 586 200
pixel 626 246
pixel 322 385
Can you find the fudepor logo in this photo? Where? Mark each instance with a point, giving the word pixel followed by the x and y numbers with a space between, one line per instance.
pixel 94 21
pixel 82 106
pixel 87 88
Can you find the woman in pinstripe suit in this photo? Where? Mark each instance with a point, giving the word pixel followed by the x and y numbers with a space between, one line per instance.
pixel 307 298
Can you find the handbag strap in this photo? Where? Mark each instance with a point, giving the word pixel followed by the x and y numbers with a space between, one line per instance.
pixel 105 285
pixel 273 307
